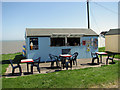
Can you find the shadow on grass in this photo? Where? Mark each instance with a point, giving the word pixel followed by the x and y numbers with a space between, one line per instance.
pixel 16 60
pixel 90 64
pixel 10 75
pixel 111 62
pixel 50 67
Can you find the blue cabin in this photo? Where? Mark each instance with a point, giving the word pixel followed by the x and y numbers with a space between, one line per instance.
pixel 40 42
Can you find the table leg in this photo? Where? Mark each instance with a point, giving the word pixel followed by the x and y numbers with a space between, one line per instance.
pixel 27 67
pixel 100 58
pixel 71 63
pixel 63 65
pixel 64 62
pixel 66 65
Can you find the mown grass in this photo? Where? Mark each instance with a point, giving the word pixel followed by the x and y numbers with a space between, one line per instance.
pixel 117 56
pixel 80 78
pixel 5 60
pixel 101 49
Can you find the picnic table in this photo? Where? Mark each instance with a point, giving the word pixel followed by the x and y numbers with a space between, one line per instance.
pixel 64 59
pixel 101 53
pixel 27 61
pixel 65 55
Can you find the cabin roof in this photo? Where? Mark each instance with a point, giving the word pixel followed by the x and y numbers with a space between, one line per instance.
pixel 52 31
pixel 113 32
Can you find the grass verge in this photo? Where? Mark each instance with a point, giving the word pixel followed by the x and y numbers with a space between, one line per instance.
pixel 5 60
pixel 80 78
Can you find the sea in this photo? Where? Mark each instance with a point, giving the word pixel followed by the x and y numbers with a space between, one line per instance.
pixel 11 46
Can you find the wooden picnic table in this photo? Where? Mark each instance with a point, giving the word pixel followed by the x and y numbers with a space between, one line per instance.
pixel 27 61
pixel 64 56
pixel 101 53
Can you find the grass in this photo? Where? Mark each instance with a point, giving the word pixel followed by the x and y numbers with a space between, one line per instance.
pixel 5 60
pixel 101 49
pixel 80 78
pixel 117 56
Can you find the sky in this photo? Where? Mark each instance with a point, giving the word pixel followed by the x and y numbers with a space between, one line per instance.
pixel 17 16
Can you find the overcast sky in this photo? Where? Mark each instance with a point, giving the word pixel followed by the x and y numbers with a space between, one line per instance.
pixel 17 16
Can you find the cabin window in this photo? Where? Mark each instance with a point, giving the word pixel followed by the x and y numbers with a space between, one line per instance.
pixel 70 41
pixel 73 41
pixel 57 41
pixel 33 43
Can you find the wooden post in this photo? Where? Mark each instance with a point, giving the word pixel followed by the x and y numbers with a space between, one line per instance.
pixel 88 14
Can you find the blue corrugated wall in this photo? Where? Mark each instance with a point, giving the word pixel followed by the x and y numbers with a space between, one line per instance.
pixel 45 49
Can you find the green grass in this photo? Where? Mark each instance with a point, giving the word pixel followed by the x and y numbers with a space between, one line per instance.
pixel 102 49
pixel 80 78
pixel 117 56
pixel 5 60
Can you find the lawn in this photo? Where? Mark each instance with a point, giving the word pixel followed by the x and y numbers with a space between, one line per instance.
pixel 101 49
pixel 80 78
pixel 6 57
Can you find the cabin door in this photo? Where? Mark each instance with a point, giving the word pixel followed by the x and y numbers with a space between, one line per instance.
pixel 44 48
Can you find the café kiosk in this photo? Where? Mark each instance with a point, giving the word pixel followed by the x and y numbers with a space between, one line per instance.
pixel 40 42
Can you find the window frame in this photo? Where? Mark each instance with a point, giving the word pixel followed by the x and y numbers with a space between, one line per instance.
pixel 51 38
pixel 37 47
pixel 65 41
pixel 75 42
